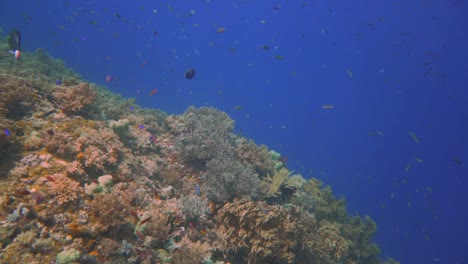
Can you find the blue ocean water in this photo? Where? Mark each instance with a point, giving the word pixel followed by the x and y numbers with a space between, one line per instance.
pixel 368 96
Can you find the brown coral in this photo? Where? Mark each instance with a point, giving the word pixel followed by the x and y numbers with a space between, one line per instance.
pixel 64 189
pixel 266 233
pixel 188 251
pixel 72 99
pixel 257 156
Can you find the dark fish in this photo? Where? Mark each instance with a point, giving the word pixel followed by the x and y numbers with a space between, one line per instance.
pixel 49 113
pixel 14 40
pixel 189 74
pixel 429 71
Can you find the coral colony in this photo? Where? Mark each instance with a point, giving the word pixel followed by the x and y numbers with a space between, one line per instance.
pixel 89 177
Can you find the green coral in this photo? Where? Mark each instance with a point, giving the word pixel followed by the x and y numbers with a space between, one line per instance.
pixel 68 256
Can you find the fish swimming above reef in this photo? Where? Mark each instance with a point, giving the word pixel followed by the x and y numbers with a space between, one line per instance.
pixel 14 43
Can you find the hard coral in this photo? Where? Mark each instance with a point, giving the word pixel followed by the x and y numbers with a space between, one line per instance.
pixel 73 99
pixel 207 130
pixel 260 232
pixel 188 251
pixel 64 189
pixel 227 178
pixel 257 156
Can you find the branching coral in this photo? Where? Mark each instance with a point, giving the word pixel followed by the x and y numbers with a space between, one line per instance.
pixel 226 178
pixel 193 207
pixel 274 234
pixel 158 226
pixel 257 156
pixel 187 251
pixel 359 233
pixel 207 130
pixel 111 212
pixel 64 189
pixel 326 206
pixel 266 234
pixel 73 99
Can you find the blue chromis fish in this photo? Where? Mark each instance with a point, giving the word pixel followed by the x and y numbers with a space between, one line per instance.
pixel 7 132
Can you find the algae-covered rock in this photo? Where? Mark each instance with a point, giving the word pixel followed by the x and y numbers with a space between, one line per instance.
pixel 68 256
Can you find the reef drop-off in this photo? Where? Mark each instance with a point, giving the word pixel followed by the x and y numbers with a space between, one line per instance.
pixel 83 179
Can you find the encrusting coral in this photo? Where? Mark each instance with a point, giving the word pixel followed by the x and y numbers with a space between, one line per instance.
pixel 83 179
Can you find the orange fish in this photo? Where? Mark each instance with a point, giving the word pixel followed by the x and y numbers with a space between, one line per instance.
pixel 220 30
pixel 203 232
pixel 153 92
pixel 17 54
pixel 212 207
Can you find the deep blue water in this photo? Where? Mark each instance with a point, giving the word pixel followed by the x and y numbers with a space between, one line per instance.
pixel 365 57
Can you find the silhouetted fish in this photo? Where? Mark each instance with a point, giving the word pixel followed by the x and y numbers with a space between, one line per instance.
pixel 189 74
pixel 14 40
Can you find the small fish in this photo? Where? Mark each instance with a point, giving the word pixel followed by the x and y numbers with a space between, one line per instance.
pixel 145 221
pixel 153 92
pixel 429 71
pixel 212 207
pixel 14 43
pixel 58 82
pixel 50 178
pixel 220 30
pixel 237 107
pixel 109 78
pixel 38 197
pixel 415 138
pixel 7 132
pixel 154 139
pixel 197 189
pixel 203 232
pixel 140 235
pixel 328 106
pixel 380 133
pixel 350 73
pixel 408 167
pixel 131 108
pixel 418 160
pixel 279 57
pixel 265 47
pixel 189 74
pixel 141 126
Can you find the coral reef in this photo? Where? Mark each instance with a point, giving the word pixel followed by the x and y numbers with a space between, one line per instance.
pixel 87 176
